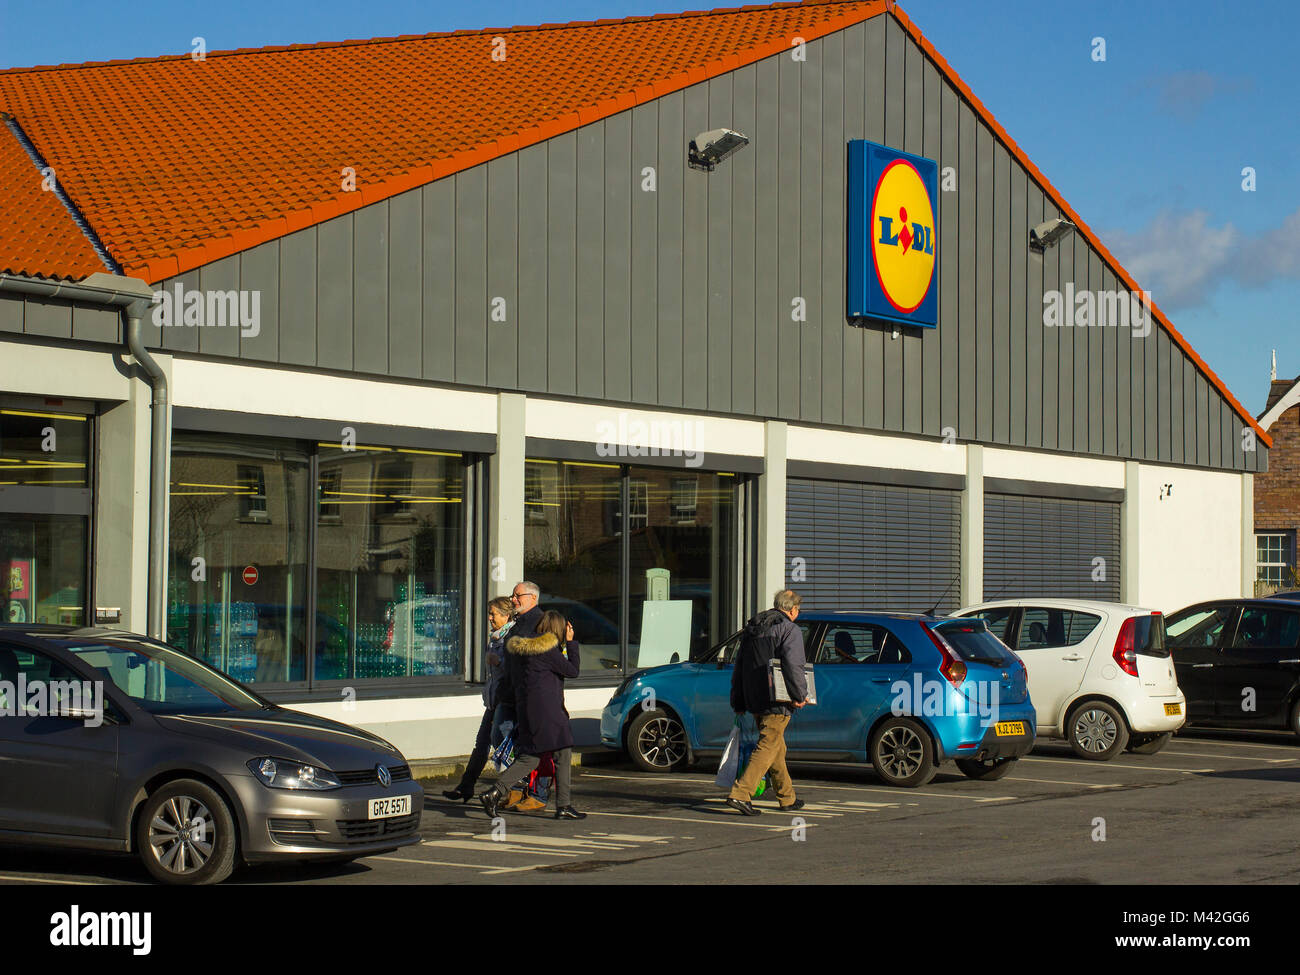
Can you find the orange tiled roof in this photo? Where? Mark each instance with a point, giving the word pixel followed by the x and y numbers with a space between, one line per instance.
pixel 176 162
pixel 38 236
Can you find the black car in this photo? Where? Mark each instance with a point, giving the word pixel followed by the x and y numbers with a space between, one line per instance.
pixel 112 741
pixel 1289 594
pixel 1238 662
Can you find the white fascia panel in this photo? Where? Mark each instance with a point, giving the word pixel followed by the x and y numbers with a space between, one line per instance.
pixel 1029 465
pixel 284 392
pixel 649 429
pixel 874 450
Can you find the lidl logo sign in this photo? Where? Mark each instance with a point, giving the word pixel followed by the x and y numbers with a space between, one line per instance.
pixel 893 234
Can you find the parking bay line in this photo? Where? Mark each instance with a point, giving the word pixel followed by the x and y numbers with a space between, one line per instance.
pixel 837 788
pixel 43 880
pixel 1233 758
pixel 1017 778
pixel 1076 763
pixel 1232 744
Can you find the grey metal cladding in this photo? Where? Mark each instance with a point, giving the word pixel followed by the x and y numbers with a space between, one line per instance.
pixel 682 293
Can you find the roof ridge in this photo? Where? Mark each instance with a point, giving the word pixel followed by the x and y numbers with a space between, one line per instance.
pixel 432 35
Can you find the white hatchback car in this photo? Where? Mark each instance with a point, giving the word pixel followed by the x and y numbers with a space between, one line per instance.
pixel 1100 675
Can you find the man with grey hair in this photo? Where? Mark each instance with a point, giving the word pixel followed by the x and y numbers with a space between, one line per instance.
pixel 770 635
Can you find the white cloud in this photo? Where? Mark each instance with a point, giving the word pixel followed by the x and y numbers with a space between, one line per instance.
pixel 1181 258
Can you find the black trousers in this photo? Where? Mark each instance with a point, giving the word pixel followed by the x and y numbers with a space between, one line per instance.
pixel 478 758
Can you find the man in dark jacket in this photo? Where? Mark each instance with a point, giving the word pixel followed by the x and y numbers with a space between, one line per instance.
pixel 770 634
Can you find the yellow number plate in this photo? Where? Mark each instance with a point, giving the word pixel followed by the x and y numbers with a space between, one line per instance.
pixel 1009 729
pixel 1173 709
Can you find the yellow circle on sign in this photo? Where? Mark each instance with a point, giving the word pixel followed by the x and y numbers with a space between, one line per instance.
pixel 903 236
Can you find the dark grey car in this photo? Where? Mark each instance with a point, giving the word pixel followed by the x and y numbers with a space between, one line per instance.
pixel 180 763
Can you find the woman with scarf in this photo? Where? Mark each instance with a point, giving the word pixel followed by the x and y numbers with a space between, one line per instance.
pixel 495 712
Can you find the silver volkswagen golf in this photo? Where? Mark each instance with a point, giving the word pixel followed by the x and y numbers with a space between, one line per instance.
pixel 112 741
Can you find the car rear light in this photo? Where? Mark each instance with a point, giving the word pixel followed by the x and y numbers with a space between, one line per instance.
pixel 952 667
pixel 1125 652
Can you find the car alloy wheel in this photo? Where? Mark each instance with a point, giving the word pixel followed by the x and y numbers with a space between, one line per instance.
pixel 662 742
pixel 901 751
pixel 657 741
pixel 182 835
pixel 185 833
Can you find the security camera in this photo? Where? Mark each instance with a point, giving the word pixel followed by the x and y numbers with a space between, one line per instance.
pixel 709 148
pixel 1048 233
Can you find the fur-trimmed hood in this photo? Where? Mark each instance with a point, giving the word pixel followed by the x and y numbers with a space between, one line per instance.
pixel 528 646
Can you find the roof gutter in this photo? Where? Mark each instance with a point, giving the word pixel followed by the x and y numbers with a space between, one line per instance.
pixel 134 297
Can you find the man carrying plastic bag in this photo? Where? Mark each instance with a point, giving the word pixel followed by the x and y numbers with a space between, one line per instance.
pixel 770 635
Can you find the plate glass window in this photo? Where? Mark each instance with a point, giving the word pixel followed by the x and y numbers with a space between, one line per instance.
pixel 43 556
pixel 1275 561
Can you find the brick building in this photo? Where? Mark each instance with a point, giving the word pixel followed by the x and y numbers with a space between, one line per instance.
pixel 1277 491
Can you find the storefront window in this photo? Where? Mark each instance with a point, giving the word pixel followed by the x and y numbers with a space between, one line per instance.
pixel 573 551
pixel 679 547
pixel 390 562
pixel 681 565
pixel 43 568
pixel 238 554
pixel 43 557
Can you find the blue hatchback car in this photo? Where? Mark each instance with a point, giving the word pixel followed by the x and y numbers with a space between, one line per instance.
pixel 904 692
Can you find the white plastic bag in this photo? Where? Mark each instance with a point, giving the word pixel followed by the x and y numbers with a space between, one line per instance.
pixel 730 765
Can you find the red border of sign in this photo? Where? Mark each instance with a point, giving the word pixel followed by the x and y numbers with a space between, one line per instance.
pixel 875 194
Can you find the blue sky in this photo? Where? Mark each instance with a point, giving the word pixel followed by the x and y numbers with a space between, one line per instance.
pixel 1148 145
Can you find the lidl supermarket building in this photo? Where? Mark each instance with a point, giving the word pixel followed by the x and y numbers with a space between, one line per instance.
pixel 448 311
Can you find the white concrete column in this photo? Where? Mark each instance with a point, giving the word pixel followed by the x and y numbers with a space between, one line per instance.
pixel 1248 551
pixel 1130 546
pixel 122 509
pixel 771 513
pixel 506 504
pixel 972 528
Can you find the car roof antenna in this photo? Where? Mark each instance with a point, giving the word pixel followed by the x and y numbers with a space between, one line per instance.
pixel 943 595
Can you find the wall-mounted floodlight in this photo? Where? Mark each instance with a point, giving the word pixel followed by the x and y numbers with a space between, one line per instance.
pixel 709 148
pixel 1048 233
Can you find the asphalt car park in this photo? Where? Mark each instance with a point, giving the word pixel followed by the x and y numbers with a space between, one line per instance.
pixel 1212 807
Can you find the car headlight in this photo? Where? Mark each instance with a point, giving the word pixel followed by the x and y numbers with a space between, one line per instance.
pixel 281 773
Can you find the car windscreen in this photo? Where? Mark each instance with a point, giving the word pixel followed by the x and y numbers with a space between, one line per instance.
pixel 160 679
pixel 973 642
pixel 1149 636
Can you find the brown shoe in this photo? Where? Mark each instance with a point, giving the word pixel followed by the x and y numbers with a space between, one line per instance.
pixel 515 797
pixel 530 804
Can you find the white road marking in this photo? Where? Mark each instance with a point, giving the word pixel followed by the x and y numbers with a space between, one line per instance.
pixel 1231 758
pixel 802 786
pixel 1231 744
pixel 42 880
pixel 1081 763
pixel 1017 778
pixel 721 821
